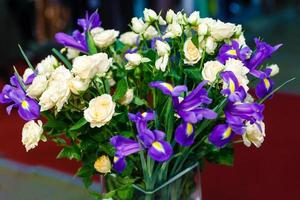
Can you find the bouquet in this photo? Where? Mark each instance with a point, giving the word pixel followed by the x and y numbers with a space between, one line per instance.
pixel 146 107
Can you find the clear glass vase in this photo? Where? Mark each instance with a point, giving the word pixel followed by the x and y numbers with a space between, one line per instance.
pixel 186 185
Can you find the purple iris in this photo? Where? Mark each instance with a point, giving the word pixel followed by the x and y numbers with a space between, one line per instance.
pixel 124 147
pixel 13 94
pixel 265 85
pixel 233 90
pixel 141 119
pixel 168 89
pixel 78 39
pixel 233 51
pixel 236 115
pixel 184 134
pixel 262 52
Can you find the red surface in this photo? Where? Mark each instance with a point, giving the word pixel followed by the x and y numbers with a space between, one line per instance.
pixel 271 172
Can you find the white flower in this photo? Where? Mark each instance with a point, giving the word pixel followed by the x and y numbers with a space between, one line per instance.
pixel 210 45
pixel 32 134
pixel 86 67
pixel 103 165
pixel 202 29
pixel 194 18
pixel 239 70
pixel 105 38
pixel 254 134
pixel 238 30
pixel 274 68
pixel 161 21
pixel 77 85
pixel 173 30
pixel 170 16
pixel 134 59
pixel 100 111
pixel 27 73
pixel 150 15
pixel 47 66
pixel 249 98
pixel 163 48
pixel 211 69
pixel 181 18
pixel 138 25
pixel 221 30
pixel 58 91
pixel 162 62
pixel 191 52
pixel 127 98
pixel 241 40
pixel 96 31
pixel 72 53
pixel 129 38
pixel 150 33
pixel 38 86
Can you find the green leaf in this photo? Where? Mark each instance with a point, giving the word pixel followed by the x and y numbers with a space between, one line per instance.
pixel 56 124
pixel 59 141
pixel 169 118
pixel 70 152
pixel 223 156
pixel 80 123
pixel 91 44
pixel 139 102
pixel 193 73
pixel 119 46
pixel 65 61
pixel 26 58
pixel 121 90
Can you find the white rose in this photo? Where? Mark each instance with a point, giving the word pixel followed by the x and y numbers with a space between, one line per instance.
pixel 38 86
pixel 72 53
pixel 274 68
pixel 163 48
pixel 127 98
pixel 221 30
pixel 194 18
pixel 162 62
pixel 211 69
pixel 78 85
pixel 58 91
pixel 239 70
pixel 137 25
pixel 102 63
pixel 202 29
pixel 129 38
pixel 161 21
pixel 191 52
pixel 150 33
pixel 173 30
pixel 96 31
pixel 210 45
pixel 105 38
pixel 254 134
pixel 100 111
pixel 181 18
pixel 32 134
pixel 170 16
pixel 150 15
pixel 84 67
pixel 27 73
pixel 238 30
pixel 47 66
pixel 134 59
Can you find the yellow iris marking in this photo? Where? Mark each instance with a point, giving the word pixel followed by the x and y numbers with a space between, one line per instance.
pixel 189 129
pixel 25 105
pixel 231 86
pixel 227 133
pixel 158 146
pixel 168 86
pixel 232 52
pixel 116 159
pixel 267 83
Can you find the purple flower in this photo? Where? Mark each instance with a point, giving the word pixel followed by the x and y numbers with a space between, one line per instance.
pixel 78 39
pixel 184 134
pixel 141 119
pixel 168 89
pixel 233 90
pixel 124 147
pixel 221 135
pixel 265 85
pixel 233 51
pixel 263 51
pixel 14 94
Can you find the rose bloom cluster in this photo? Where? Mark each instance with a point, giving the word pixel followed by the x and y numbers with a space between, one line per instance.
pixel 195 71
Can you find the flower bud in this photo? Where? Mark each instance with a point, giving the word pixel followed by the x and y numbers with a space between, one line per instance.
pixel 170 16
pixel 162 48
pixel 150 15
pixel 137 25
pixel 150 33
pixel 194 18
pixel 202 29
pixel 274 68
pixel 103 165
pixel 129 38
pixel 127 98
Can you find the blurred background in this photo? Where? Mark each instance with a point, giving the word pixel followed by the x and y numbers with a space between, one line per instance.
pixel 271 172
